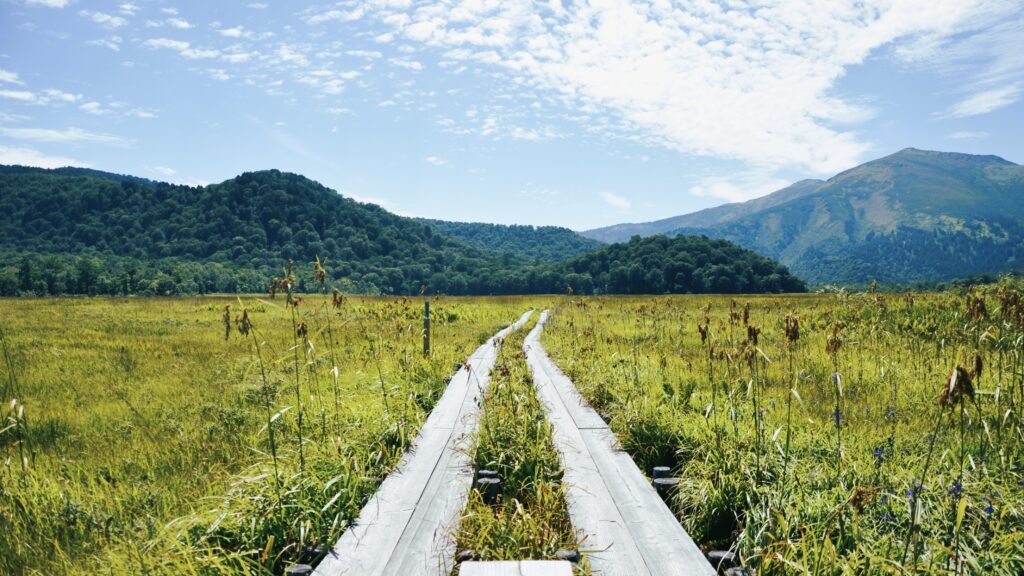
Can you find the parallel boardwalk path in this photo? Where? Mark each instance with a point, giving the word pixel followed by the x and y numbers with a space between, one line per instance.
pixel 629 529
pixel 408 527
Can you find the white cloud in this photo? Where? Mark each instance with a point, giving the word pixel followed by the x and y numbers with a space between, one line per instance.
pixel 178 45
pixel 66 135
pixel 615 201
pixel 337 15
pixel 104 19
pixel 738 187
pixel 21 95
pixel 371 54
pixel 165 170
pixel 9 77
pixel 30 157
pixel 436 161
pixel 179 23
pixel 750 81
pixel 49 3
pixel 94 108
pixel 114 43
pixel 985 102
pixel 43 98
pixel 235 32
pixel 258 5
pixel 405 63
pixel 128 8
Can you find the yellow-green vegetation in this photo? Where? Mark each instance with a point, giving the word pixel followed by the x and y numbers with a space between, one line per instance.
pixel 528 520
pixel 210 435
pixel 840 434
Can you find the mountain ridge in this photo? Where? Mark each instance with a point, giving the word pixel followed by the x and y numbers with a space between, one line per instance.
pixel 914 215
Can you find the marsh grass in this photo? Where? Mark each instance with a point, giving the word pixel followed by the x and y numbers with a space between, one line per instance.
pixel 836 454
pixel 162 448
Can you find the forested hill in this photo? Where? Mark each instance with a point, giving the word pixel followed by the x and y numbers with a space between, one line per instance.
pixel 545 243
pixel 681 265
pixel 86 232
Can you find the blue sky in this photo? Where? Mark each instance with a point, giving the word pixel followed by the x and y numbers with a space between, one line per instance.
pixel 579 114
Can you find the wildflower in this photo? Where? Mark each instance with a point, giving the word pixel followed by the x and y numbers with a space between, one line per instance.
pixel 955 489
pixel 890 413
pixel 879 456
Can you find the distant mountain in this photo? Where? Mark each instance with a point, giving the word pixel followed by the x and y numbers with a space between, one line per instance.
pixel 913 216
pixel 545 243
pixel 73 231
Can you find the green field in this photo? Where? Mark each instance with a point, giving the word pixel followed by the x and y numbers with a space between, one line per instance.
pixel 135 435
pixel 138 439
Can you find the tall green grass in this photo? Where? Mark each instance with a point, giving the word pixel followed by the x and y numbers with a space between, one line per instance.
pixel 146 434
pixel 834 452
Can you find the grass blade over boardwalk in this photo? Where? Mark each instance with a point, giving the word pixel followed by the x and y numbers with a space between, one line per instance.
pixel 407 528
pixel 630 531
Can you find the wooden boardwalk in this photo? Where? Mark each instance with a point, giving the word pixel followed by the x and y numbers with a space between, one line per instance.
pixel 408 527
pixel 629 529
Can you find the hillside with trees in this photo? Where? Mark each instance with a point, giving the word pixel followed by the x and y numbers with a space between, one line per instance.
pixel 543 243
pixel 82 232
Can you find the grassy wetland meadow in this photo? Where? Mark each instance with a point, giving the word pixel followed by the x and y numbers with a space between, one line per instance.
pixel 850 433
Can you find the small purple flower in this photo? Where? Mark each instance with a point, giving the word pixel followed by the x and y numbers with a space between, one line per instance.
pixel 880 456
pixel 890 413
pixel 837 417
pixel 990 509
pixel 955 489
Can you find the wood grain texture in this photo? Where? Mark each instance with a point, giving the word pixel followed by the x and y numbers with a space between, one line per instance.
pixel 517 568
pixel 408 526
pixel 629 530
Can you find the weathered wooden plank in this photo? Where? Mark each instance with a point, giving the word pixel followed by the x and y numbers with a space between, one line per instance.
pixel 629 529
pixel 409 524
pixel 516 568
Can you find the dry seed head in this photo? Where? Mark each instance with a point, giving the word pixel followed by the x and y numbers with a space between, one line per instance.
pixel 978 365
pixel 792 328
pixel 302 330
pixel 227 321
pixel 337 299
pixel 746 313
pixel 752 333
pixel 243 323
pixel 958 386
pixel 833 342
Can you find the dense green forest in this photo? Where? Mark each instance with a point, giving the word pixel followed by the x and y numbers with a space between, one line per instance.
pixel 85 232
pixel 544 243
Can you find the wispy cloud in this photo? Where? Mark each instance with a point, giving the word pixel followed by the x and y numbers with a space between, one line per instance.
pixel 66 135
pixel 985 101
pixel 738 187
pixel 436 161
pixel 31 157
pixel 42 98
pixel 49 3
pixel 9 77
pixel 615 201
pixel 747 82
pixel 102 18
